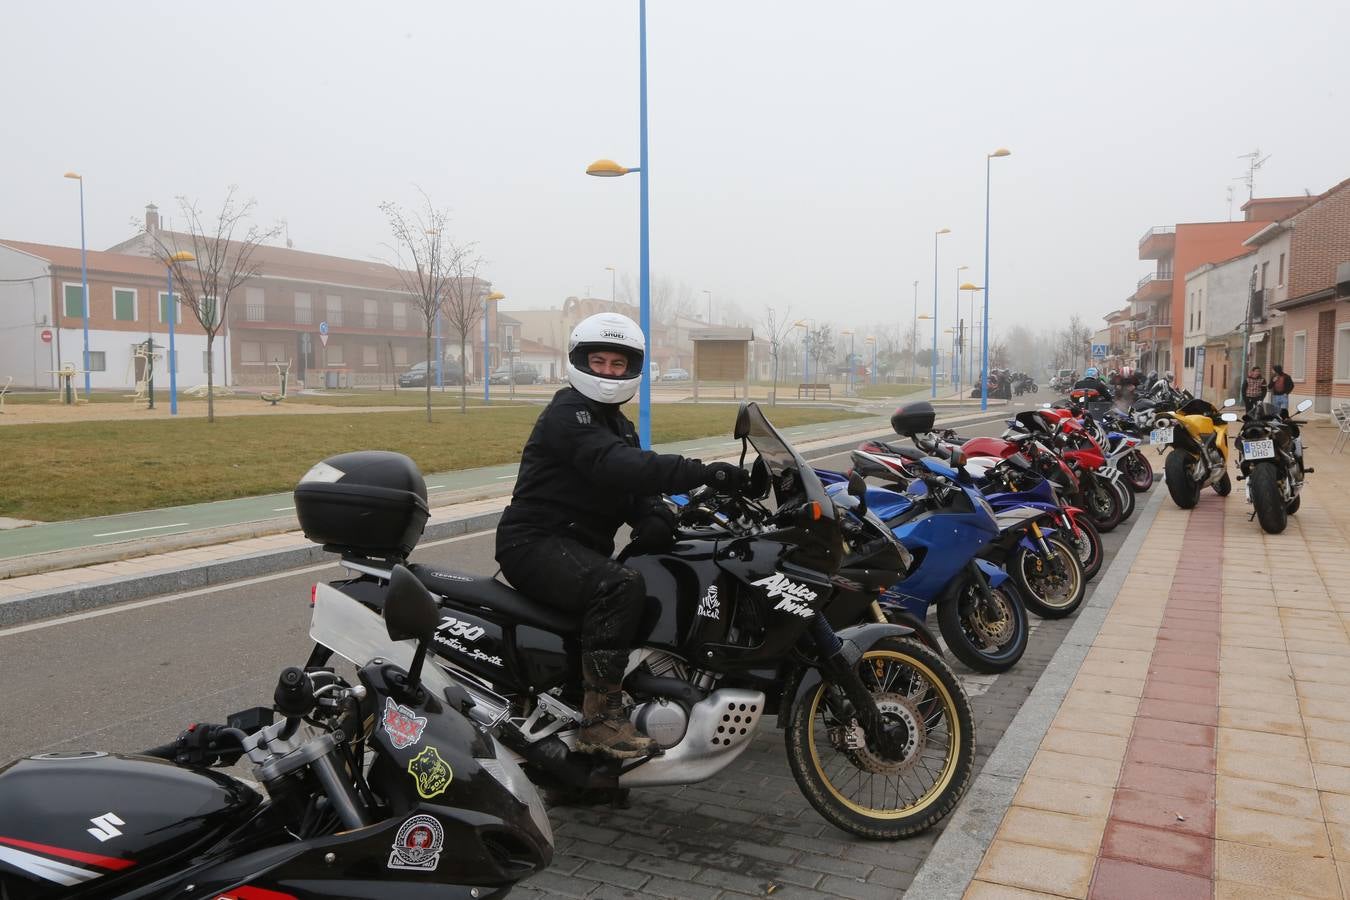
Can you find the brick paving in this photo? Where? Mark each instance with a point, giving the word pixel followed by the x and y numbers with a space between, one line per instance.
pixel 1204 747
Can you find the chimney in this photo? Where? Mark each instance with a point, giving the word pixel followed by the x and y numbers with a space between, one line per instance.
pixel 151 218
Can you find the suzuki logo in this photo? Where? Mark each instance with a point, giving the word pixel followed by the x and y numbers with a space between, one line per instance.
pixel 105 826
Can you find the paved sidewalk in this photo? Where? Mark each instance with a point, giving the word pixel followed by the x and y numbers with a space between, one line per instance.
pixel 1203 748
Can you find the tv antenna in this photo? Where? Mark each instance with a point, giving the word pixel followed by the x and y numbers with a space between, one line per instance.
pixel 1254 161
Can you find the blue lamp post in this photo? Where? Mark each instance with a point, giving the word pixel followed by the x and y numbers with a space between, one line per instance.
pixel 806 349
pixel 871 339
pixel 914 338
pixel 84 281
pixel 172 312
pixel 937 234
pixel 852 361
pixel 607 168
pixel 487 349
pixel 984 340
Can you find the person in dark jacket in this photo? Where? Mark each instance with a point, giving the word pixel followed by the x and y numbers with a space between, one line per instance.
pixel 582 475
pixel 1091 381
pixel 1281 386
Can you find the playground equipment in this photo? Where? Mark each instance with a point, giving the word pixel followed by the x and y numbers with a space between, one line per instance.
pixel 3 391
pixel 283 373
pixel 145 385
pixel 70 395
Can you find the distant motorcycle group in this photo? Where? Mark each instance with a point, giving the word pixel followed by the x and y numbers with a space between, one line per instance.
pixel 802 594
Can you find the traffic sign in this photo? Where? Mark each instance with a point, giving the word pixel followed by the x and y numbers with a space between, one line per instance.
pixel 1099 351
pixel 46 335
pixel 323 333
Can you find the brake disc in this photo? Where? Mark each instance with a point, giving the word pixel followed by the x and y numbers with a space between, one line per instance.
pixel 989 629
pixel 892 707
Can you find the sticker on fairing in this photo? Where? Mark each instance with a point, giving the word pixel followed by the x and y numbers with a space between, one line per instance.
pixel 403 726
pixel 418 844
pixel 795 597
pixel 710 607
pixel 323 473
pixel 430 772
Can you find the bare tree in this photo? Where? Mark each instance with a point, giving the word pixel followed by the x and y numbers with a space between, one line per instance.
pixel 820 347
pixel 998 354
pixel 778 330
pixel 427 261
pixel 218 264
pixel 464 307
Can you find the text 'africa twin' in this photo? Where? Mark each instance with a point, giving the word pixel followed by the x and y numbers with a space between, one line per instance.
pixel 878 730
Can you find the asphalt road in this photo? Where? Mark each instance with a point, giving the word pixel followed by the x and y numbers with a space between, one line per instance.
pixel 126 677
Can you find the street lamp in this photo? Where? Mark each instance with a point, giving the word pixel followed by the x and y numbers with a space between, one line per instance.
pixel 607 168
pixel 937 234
pixel 914 338
pixel 967 286
pixel 84 281
pixel 851 365
pixel 956 361
pixel 487 353
pixel 709 293
pixel 806 349
pixel 612 277
pixel 180 256
pixel 984 342
pixel 872 339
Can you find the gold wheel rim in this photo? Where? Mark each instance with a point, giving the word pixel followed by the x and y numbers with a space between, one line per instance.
pixel 952 750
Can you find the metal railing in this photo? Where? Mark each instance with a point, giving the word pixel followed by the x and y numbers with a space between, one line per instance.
pixel 1153 276
pixel 1157 229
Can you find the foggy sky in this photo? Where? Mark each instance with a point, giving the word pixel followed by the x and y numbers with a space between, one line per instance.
pixel 802 153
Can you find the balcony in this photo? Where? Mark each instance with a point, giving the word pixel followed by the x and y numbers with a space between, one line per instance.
pixel 282 318
pixel 1153 328
pixel 1158 242
pixel 1153 287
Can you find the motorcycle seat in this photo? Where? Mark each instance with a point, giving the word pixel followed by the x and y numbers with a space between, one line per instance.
pixel 492 595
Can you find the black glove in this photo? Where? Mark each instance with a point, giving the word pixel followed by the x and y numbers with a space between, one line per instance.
pixel 723 477
pixel 655 531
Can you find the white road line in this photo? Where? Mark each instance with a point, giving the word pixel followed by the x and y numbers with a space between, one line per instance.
pixel 504 477
pixel 202 592
pixel 283 509
pixel 147 528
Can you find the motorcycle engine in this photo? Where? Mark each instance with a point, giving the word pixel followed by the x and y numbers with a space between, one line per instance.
pixel 664 721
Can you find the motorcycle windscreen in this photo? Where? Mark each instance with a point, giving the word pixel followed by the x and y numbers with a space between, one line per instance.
pixel 358 635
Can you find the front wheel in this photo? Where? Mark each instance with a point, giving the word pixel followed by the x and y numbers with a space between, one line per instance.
pixel 1137 470
pixel 1126 493
pixel 1101 503
pixel 989 636
pixel 1088 543
pixel 855 786
pixel 1270 507
pixel 1051 587
pixel 1177 471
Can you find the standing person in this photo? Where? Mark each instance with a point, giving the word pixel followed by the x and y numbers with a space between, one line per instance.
pixel 582 475
pixel 1254 389
pixel 1281 386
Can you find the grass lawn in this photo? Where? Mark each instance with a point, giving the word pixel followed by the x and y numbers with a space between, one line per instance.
pixel 56 472
pixel 414 398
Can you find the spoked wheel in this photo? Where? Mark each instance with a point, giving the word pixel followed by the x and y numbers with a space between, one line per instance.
pixel 884 794
pixel 1051 588
pixel 988 637
pixel 1088 543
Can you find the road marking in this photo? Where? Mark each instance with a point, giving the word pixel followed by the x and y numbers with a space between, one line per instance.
pixel 202 592
pixel 283 509
pixel 504 477
pixel 147 528
pixel 434 487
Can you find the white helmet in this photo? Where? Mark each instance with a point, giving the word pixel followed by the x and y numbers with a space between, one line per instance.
pixel 606 331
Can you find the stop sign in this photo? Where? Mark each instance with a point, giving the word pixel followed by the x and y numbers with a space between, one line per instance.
pixel 46 335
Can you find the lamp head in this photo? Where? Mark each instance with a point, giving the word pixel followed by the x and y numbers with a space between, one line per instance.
pixel 606 168
pixel 943 231
pixel 496 295
pixel 967 286
pixel 74 175
pixel 182 256
pixel 1001 151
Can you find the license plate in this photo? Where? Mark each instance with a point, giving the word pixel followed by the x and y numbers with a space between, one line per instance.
pixel 1258 449
pixel 1160 436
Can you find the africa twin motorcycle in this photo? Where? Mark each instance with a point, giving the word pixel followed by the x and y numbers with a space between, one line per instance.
pixel 878 730
pixel 1270 457
pixel 376 788
pixel 1198 436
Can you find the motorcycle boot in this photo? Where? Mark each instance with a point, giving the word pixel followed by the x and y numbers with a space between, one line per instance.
pixel 606 729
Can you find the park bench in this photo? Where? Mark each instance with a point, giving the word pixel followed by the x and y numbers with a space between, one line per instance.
pixel 814 390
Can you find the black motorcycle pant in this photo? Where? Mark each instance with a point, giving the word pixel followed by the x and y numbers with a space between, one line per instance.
pixel 566 575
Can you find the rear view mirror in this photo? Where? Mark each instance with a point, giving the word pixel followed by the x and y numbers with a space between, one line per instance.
pixel 411 612
pixel 1229 402
pixel 742 429
pixel 1303 406
pixel 758 486
pixel 857 487
pixel 1229 417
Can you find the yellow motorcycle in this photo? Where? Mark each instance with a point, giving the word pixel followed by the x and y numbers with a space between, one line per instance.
pixel 1198 436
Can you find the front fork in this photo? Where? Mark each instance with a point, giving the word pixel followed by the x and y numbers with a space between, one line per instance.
pixel 839 661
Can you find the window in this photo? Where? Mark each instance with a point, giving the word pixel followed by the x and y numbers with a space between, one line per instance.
pixel 98 361
pixel 333 355
pixel 250 352
pixel 206 368
pixel 164 308
pixel 1343 352
pixel 303 315
pixel 371 318
pixel 400 314
pixel 74 297
pixel 273 353
pixel 1298 365
pixel 124 305
pixel 1199 314
pixel 1265 267
pixel 253 305
pixel 370 355
pixel 1280 275
pixel 400 356
pixel 333 303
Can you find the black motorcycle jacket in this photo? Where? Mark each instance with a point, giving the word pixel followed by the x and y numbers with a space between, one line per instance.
pixel 583 474
pixel 1093 384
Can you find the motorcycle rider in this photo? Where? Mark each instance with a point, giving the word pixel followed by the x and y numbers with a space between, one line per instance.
pixel 582 475
pixel 1092 382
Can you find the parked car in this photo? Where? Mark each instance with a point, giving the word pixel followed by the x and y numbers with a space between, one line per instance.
pixel 524 373
pixel 416 376
pixel 676 375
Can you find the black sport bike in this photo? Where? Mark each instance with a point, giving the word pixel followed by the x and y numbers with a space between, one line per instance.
pixel 878 730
